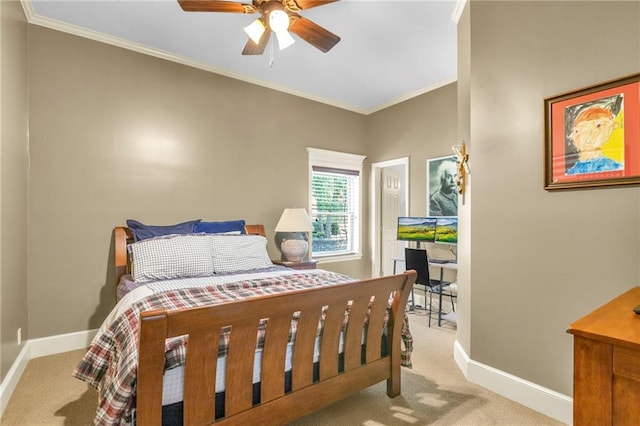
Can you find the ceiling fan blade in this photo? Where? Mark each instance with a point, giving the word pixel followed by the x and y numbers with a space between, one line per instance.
pixel 252 48
pixel 215 6
pixel 313 33
pixel 297 5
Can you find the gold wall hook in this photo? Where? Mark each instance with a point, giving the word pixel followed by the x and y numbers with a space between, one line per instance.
pixel 462 160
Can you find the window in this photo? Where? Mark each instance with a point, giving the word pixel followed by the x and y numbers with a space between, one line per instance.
pixel 335 203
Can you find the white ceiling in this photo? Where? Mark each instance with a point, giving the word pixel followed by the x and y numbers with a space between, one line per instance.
pixel 390 50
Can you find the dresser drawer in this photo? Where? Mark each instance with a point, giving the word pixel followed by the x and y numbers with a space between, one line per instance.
pixel 626 363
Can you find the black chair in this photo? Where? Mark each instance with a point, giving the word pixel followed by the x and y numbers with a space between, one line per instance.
pixel 418 260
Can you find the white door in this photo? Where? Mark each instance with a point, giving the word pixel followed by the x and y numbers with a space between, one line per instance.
pixel 390 210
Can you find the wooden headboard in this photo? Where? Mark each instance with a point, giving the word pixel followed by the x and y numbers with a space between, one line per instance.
pixel 123 236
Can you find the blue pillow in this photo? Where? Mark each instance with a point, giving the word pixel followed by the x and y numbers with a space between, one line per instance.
pixel 221 227
pixel 142 232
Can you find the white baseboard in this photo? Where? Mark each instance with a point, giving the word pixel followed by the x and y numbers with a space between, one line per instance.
pixel 12 378
pixel 61 343
pixel 536 397
pixel 36 348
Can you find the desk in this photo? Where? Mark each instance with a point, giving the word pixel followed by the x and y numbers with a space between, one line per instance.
pixel 449 265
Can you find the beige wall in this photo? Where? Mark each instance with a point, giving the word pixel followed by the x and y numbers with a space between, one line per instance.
pixel 463 309
pixel 421 128
pixel 13 181
pixel 115 134
pixel 539 259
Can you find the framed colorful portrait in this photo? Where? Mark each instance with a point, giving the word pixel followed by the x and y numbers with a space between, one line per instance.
pixel 442 194
pixel 592 136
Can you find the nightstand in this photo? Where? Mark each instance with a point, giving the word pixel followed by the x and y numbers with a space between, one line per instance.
pixel 305 264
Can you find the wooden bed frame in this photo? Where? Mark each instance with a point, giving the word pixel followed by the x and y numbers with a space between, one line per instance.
pixel 360 367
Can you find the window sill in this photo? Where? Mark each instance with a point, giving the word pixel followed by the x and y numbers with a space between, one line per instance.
pixel 337 258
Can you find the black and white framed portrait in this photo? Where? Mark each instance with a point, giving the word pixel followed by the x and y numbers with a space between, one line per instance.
pixel 442 194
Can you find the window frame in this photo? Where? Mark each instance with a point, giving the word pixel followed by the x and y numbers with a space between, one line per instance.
pixel 343 161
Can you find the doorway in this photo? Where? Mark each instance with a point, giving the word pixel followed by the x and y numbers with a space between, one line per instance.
pixel 390 199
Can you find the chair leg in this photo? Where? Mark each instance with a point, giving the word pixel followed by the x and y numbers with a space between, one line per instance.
pixel 453 306
pixel 413 300
pixel 430 301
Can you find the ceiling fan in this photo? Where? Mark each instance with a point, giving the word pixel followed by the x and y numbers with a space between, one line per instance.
pixel 279 16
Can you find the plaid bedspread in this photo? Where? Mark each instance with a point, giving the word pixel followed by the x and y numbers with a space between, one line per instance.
pixel 110 364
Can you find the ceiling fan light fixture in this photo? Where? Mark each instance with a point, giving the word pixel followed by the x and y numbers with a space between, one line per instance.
pixel 255 30
pixel 278 21
pixel 284 39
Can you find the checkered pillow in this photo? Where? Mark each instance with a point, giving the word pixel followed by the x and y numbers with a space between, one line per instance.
pixel 171 257
pixel 236 253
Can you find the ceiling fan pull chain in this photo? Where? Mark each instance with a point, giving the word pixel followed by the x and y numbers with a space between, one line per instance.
pixel 271 52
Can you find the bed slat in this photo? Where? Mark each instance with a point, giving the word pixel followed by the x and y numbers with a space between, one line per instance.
pixel 353 334
pixel 200 377
pixel 302 372
pixel 239 377
pixel 374 327
pixel 273 358
pixel 331 340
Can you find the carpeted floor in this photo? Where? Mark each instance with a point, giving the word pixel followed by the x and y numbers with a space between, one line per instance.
pixel 434 392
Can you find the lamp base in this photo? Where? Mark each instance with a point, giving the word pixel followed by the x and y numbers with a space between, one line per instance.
pixel 293 246
pixel 294 250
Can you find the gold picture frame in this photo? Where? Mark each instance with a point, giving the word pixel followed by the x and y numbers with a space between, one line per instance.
pixel 592 136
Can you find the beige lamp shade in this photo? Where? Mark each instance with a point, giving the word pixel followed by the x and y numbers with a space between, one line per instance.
pixel 294 220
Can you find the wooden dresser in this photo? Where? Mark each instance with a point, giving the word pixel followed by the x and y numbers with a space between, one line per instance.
pixel 606 364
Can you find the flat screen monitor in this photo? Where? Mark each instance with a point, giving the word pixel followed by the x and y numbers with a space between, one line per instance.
pixel 447 230
pixel 421 229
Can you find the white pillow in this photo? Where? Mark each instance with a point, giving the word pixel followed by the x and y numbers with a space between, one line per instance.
pixel 236 253
pixel 171 257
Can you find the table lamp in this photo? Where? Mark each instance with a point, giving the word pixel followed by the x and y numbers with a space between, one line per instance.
pixel 292 237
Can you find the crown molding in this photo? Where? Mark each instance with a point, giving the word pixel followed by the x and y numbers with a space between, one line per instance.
pixel 422 91
pixel 457 12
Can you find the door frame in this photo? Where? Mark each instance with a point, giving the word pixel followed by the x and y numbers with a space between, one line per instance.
pixel 375 206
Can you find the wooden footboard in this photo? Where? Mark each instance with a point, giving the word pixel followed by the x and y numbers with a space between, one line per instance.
pixel 203 326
